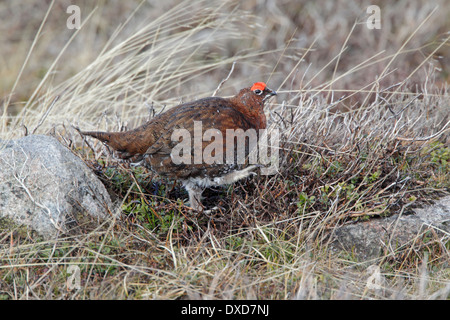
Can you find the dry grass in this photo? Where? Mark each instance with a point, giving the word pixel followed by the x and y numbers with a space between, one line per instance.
pixel 365 133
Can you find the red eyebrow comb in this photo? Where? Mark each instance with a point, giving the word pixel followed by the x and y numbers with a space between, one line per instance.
pixel 258 85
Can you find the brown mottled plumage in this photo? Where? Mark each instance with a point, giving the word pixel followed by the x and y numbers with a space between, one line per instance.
pixel 152 142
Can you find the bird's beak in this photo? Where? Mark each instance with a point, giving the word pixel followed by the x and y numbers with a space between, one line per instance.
pixel 271 93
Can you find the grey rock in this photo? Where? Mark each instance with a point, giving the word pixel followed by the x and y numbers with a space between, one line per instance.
pixel 44 186
pixel 388 236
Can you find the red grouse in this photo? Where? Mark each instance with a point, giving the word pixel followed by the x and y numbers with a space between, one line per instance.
pixel 203 126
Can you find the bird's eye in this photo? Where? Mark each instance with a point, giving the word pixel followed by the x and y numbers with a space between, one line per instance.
pixel 258 92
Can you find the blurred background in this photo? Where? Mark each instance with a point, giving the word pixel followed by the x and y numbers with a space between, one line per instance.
pixel 130 56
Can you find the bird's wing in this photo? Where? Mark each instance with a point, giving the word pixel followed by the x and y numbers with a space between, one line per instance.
pixel 213 113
